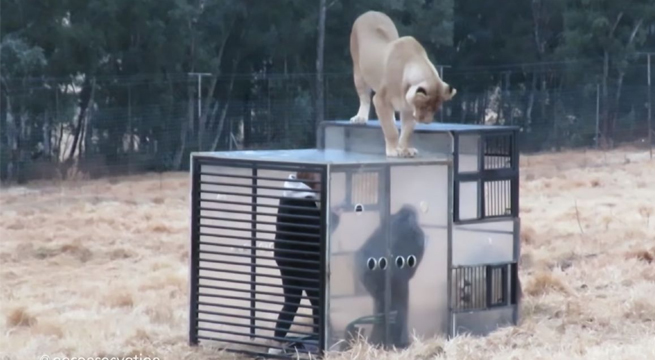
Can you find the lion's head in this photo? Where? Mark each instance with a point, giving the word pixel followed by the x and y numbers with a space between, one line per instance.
pixel 426 99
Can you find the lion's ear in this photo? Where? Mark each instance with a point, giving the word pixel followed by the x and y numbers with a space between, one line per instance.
pixel 449 92
pixel 415 92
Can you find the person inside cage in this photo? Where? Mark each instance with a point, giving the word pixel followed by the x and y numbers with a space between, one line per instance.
pixel 297 248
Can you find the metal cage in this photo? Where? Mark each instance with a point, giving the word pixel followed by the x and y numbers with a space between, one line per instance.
pixel 235 288
pixel 236 284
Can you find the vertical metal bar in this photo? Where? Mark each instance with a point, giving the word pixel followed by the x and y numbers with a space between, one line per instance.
pixel 253 252
pixel 324 315
pixel 449 263
pixel 489 274
pixel 477 280
pixel 513 295
pixel 200 124
pixel 454 178
pixel 194 257
pixel 516 180
pixel 386 213
pixel 650 107
pixel 597 114
pixel 504 276
pixel 482 144
pixel 515 277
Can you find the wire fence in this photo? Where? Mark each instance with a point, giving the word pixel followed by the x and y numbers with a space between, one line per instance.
pixel 57 129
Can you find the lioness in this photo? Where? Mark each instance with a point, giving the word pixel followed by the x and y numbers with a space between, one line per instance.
pixel 402 76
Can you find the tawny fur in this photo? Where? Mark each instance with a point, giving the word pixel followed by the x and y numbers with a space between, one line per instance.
pixel 401 74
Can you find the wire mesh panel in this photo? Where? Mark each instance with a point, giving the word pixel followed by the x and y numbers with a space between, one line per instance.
pixel 258 256
pixel 365 186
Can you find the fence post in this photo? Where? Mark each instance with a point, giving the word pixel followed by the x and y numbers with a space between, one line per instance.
pixel 440 69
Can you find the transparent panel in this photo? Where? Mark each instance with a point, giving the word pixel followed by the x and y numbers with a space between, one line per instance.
pixel 419 247
pixel 432 143
pixel 468 200
pixel 354 217
pixel 365 140
pixel 483 243
pixel 468 153
pixel 335 137
pixel 370 140
pixel 481 323
pixel 241 290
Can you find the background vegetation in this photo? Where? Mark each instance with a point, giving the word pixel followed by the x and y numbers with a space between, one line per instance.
pixel 105 87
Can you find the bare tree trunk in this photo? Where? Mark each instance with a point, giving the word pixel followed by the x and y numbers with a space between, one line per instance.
pixel 605 116
pixel 221 123
pixel 619 81
pixel 528 111
pixel 177 161
pixel 320 97
pixel 85 101
pixel 6 125
pixel 47 135
pixel 606 65
pixel 60 138
pixel 215 74
pixel 61 127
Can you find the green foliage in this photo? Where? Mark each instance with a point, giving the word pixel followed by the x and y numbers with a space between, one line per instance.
pixel 114 74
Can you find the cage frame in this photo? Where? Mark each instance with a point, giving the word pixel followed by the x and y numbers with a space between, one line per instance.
pixel 455 131
pixel 198 159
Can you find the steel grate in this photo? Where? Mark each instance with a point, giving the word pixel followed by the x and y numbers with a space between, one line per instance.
pixel 481 287
pixel 496 177
pixel 497 151
pixel 498 198
pixel 237 285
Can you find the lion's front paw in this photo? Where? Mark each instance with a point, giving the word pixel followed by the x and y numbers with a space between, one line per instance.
pixel 407 152
pixel 392 152
pixel 357 119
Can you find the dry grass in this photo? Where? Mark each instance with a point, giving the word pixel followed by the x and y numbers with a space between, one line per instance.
pixel 99 268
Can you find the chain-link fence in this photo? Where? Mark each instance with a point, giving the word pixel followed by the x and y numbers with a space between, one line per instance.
pixel 100 127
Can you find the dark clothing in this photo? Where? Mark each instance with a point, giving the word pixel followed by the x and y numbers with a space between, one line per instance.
pixel 297 254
